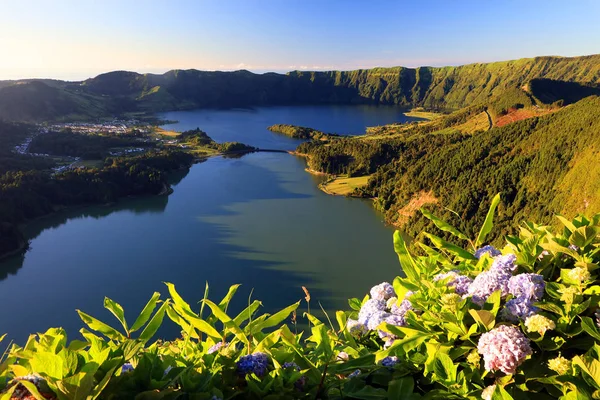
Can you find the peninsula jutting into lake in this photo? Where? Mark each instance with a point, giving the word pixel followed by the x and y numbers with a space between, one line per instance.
pixel 300 200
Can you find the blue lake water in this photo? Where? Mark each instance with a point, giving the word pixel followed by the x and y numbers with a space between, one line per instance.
pixel 259 220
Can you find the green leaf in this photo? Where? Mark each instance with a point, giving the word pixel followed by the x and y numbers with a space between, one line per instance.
pixel 154 323
pixel 401 389
pixel 483 317
pixel 407 263
pixel 452 248
pixel 589 326
pixel 230 293
pixel 177 299
pixel 583 236
pixel 369 393
pixel 568 224
pixel 247 312
pixel 228 323
pixel 48 365
pixel 354 304
pixel 488 224
pixel 589 366
pixel 275 319
pixel 444 369
pixel 97 391
pixel 100 326
pixel 146 312
pixel 443 225
pixel 501 394
pixel 117 311
pixel 32 389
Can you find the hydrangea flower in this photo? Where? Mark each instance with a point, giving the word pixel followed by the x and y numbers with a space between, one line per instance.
pixel 538 323
pixel 505 263
pixel 573 247
pixel 301 382
pixel 377 318
pixel 488 392
pixel 356 328
pixel 389 362
pixel 518 309
pixel 568 293
pixel 579 274
pixel 215 347
pixel 451 299
pixel 527 286
pixel 560 365
pixel 127 367
pixel 382 292
pixel 395 320
pixel 256 363
pixel 354 374
pixel 487 283
pixel 371 306
pixel 402 309
pixel 504 348
pixel 491 250
pixel 460 283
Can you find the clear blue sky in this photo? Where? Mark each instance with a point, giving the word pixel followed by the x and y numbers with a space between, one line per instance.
pixel 81 38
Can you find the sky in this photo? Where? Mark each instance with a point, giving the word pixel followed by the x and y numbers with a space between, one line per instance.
pixel 77 39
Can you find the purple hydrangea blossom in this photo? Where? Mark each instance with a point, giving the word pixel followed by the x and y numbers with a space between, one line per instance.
pixel 256 363
pixel 301 382
pixel 491 250
pixel 354 374
pixel 505 263
pixel 504 348
pixel 377 318
pixel 355 327
pixel 460 283
pixel 395 320
pixel 382 292
pixel 527 286
pixel 487 283
pixel 389 362
pixel 215 347
pixel 518 309
pixel 127 367
pixel 370 307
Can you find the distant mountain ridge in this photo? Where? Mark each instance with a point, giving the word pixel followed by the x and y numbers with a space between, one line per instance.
pixel 429 87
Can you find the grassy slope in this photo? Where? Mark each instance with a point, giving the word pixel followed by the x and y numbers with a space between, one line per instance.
pixel 344 186
pixel 542 166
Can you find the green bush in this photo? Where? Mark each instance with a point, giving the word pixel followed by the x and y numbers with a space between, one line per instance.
pixel 427 340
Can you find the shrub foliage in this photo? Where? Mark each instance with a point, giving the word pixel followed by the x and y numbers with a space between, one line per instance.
pixel 521 322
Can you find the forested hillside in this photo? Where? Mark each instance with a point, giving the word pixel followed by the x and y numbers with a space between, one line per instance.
pixel 433 88
pixel 542 166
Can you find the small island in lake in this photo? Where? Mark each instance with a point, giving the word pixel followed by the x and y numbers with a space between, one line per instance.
pixel 299 132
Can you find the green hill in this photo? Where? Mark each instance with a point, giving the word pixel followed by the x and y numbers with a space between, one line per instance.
pixel 542 166
pixel 429 87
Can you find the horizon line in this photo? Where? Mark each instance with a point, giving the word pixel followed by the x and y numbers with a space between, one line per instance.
pixel 260 71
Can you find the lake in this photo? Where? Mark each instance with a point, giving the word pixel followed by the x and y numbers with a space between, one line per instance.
pixel 258 220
